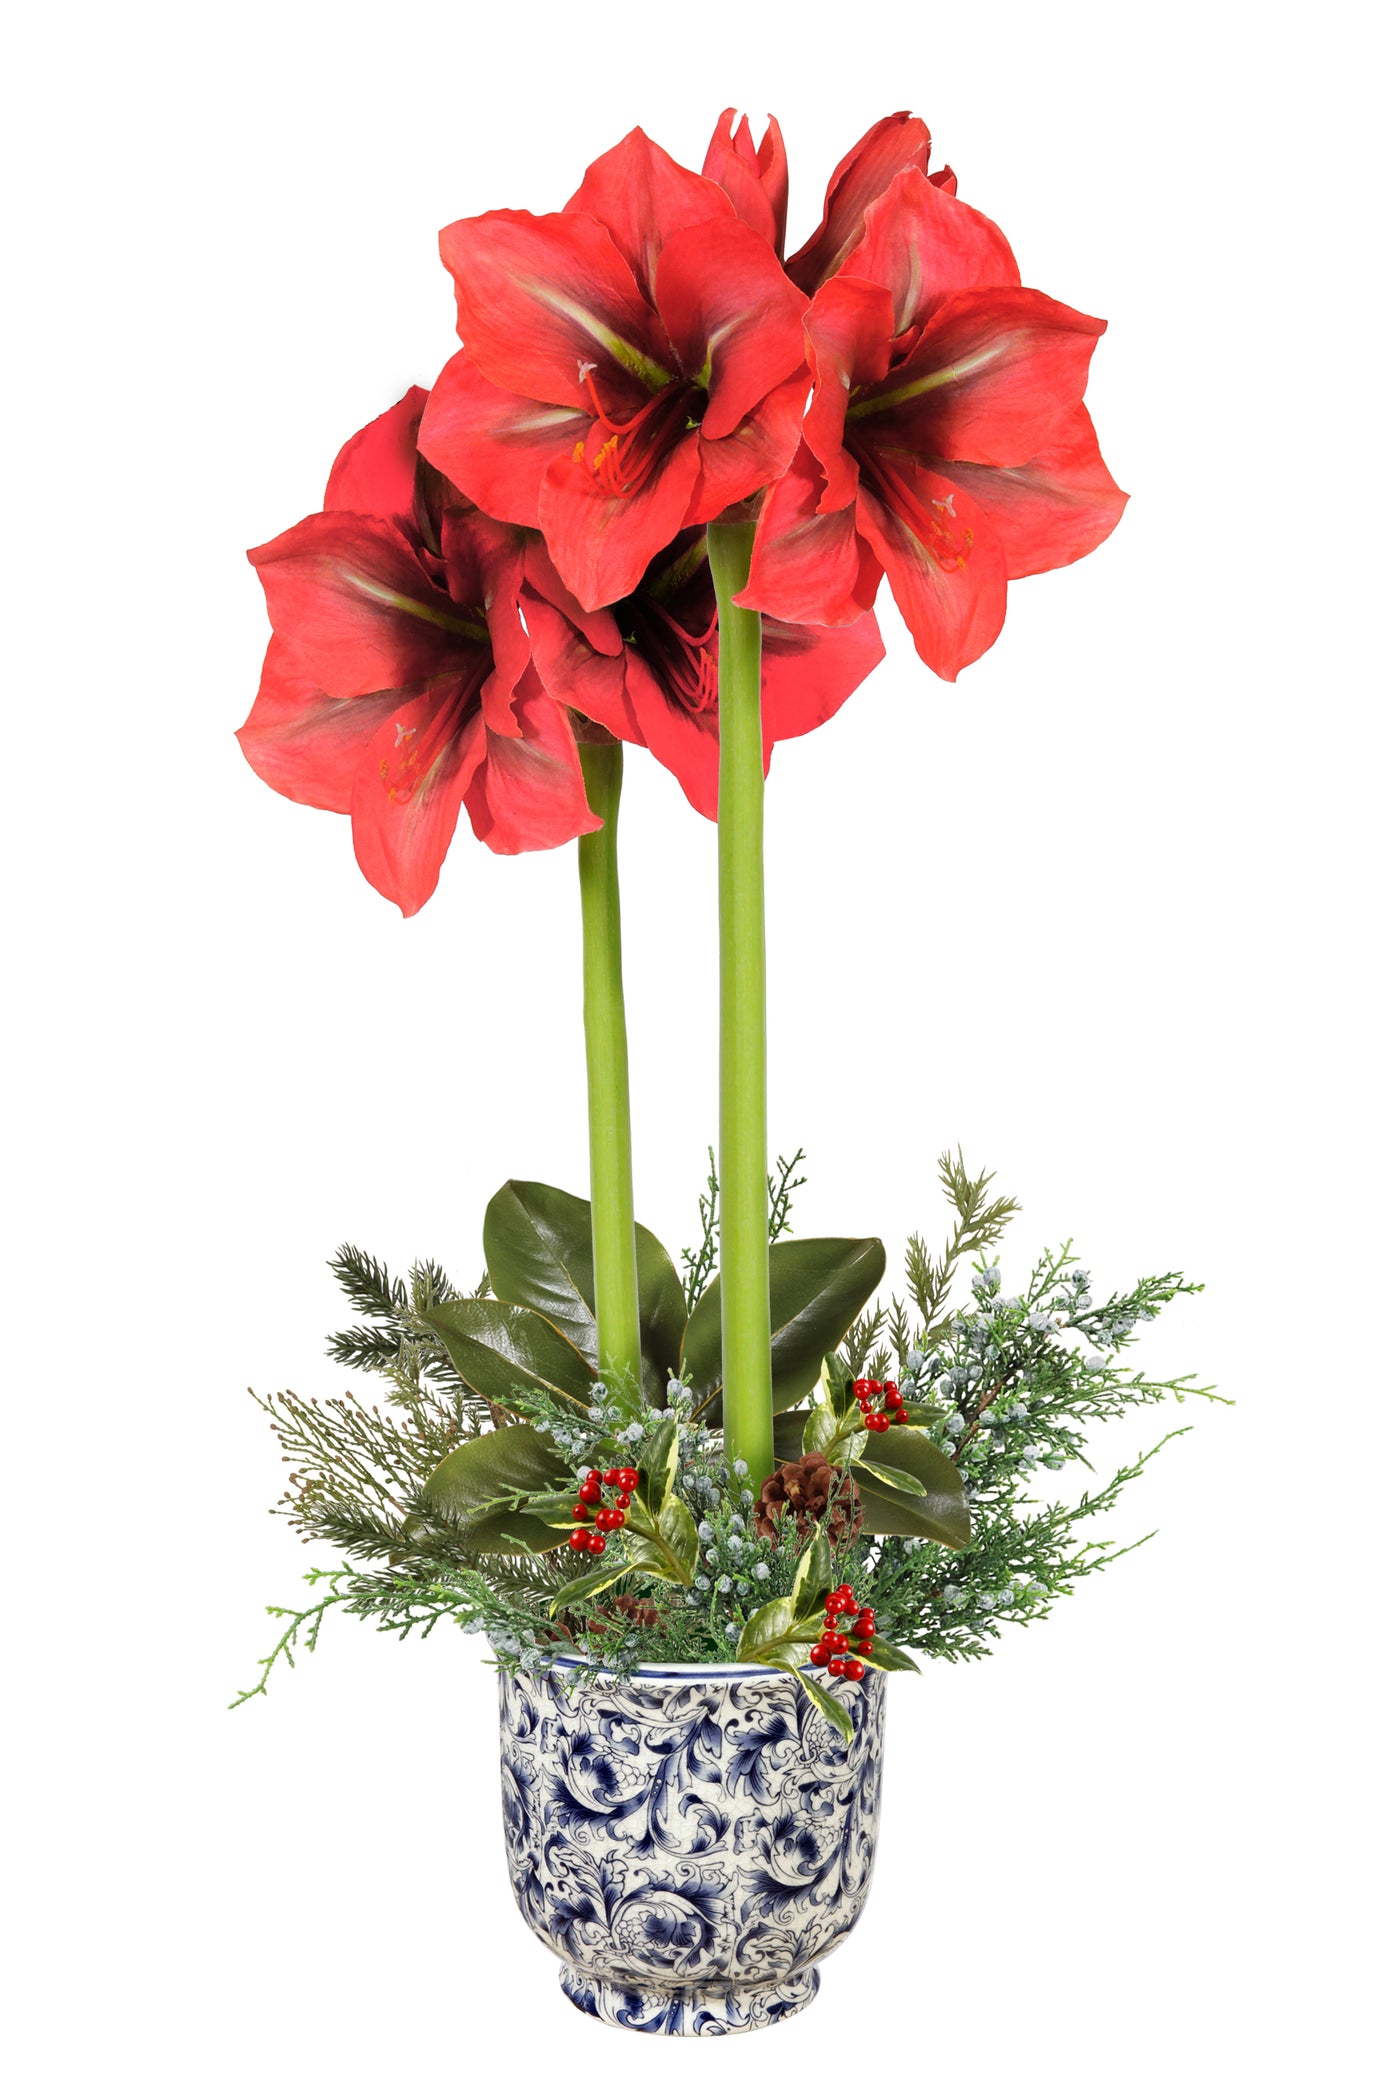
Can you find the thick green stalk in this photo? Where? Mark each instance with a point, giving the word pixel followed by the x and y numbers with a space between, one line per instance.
pixel 743 1041
pixel 605 1039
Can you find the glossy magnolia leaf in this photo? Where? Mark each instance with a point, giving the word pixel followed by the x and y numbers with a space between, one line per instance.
pixel 656 1464
pixel 941 1512
pixel 816 1289
pixel 595 1582
pixel 539 1253
pixel 476 1488
pixel 501 1350
pixel 826 1702
pixel 789 1431
pixel 881 1653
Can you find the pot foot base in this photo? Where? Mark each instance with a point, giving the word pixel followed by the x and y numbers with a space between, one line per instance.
pixel 710 2009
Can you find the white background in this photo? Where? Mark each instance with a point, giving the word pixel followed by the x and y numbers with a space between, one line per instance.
pixel 1108 912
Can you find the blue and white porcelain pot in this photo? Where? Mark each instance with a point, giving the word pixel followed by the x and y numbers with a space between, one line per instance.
pixel 689 1842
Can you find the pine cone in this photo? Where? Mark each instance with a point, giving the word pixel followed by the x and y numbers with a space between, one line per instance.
pixel 814 1491
pixel 631 1609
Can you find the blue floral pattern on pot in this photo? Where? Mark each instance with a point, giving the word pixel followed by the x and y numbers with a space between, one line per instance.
pixel 691 1841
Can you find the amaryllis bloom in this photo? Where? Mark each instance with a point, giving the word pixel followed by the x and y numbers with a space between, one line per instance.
pixel 947 443
pixel 398 685
pixel 755 178
pixel 647 667
pixel 631 365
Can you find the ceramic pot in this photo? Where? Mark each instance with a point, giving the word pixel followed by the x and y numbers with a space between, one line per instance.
pixel 689 1842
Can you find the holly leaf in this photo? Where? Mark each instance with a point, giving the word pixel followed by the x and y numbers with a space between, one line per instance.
pixel 940 1513
pixel 816 1288
pixel 504 1350
pixel 766 1627
pixel 539 1253
pixel 595 1582
pixel 682 1539
pixel 826 1702
pixel 891 1475
pixel 819 1431
pixel 656 1467
pixel 881 1653
pixel 812 1582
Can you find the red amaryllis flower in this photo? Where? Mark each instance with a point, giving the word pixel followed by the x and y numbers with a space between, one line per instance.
pixel 755 178
pixel 398 684
pixel 947 442
pixel 647 668
pixel 631 366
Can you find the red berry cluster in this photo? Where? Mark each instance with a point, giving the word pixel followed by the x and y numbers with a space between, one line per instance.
pixel 839 1649
pixel 867 1392
pixel 624 1481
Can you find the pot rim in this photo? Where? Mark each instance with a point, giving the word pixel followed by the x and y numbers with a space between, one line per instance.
pixel 677 1670
pixel 683 1670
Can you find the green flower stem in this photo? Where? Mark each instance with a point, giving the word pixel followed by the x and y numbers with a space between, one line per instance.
pixel 605 1038
pixel 743 1071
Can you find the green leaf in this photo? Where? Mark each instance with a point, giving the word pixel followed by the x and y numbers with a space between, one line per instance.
pixel 657 1465
pixel 595 1582
pixel 888 1475
pixel 539 1253
pixel 765 1628
pixel 477 1488
pixel 820 1429
pixel 789 1430
pixel 816 1289
pixel 881 1653
pixel 662 1301
pixel 677 1526
pixel 502 1350
pixel 942 1511
pixel 812 1581
pixel 826 1702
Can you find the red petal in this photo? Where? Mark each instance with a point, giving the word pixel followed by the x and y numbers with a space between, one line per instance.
pixel 542 298
pixel 494 445
pixel 601 544
pixel 355 608
pixel 849 328
pixel 376 470
pixel 755 180
pixel 574 672
pixel 894 143
pixel 408 792
pixel 808 565
pixel 923 245
pixel 599 630
pixel 996 377
pixel 755 454
pixel 809 672
pixel 529 795
pixel 303 743
pixel 1051 510
pixel 483 563
pixel 730 311
pixel 642 197
pixel 684 740
pixel 953 603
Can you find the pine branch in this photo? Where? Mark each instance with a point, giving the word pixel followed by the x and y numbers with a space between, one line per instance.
pixel 780 1193
pixel 700 1262
pixel 979 1223
pixel 367 1284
